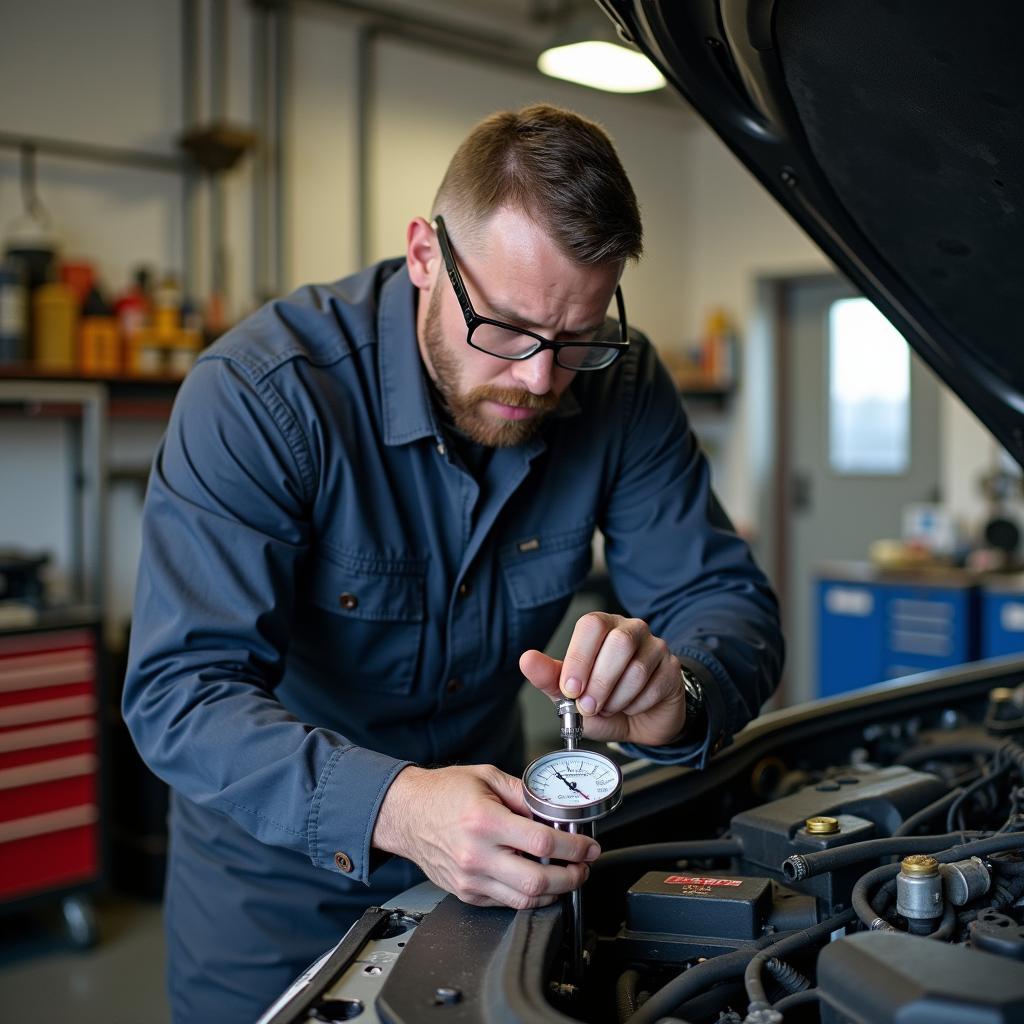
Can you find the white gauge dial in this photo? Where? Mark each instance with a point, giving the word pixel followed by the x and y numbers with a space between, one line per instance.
pixel 573 785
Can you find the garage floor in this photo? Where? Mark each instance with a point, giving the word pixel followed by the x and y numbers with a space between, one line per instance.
pixel 120 981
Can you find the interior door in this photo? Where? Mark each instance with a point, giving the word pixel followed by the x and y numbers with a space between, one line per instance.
pixel 840 498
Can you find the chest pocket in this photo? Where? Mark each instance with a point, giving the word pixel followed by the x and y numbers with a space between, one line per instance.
pixel 541 575
pixel 371 614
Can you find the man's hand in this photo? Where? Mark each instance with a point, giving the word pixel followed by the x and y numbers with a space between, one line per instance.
pixel 626 682
pixel 466 827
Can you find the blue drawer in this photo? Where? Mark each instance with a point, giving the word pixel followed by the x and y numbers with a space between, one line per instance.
pixel 851 621
pixel 1002 622
pixel 871 631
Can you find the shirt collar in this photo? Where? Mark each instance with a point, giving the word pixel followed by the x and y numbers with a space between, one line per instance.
pixel 405 398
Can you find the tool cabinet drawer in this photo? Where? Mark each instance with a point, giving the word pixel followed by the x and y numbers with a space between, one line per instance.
pixel 49 761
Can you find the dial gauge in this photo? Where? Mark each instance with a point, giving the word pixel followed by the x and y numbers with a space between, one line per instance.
pixel 573 785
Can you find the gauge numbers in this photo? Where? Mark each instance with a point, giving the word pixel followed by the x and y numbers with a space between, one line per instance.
pixel 573 785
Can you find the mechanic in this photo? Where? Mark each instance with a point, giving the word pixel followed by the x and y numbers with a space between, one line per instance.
pixel 371 508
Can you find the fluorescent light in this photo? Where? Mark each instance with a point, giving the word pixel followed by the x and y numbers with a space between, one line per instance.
pixel 601 66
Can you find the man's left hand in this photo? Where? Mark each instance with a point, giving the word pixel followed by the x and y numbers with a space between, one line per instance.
pixel 625 680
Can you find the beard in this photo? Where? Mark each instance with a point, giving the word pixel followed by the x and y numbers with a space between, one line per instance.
pixel 465 407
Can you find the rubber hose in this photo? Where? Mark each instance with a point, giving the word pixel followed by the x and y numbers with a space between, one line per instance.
pixel 1009 867
pixel 979 847
pixel 625 993
pixel 782 948
pixel 810 995
pixel 948 923
pixel 806 865
pixel 690 983
pixel 999 768
pixel 712 1004
pixel 860 897
pixel 927 813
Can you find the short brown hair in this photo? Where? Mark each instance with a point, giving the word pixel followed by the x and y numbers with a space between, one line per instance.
pixel 556 166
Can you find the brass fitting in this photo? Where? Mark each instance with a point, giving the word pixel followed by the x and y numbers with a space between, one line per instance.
pixel 822 826
pixel 919 865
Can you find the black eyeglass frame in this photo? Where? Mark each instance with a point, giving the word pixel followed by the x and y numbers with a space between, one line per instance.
pixel 474 320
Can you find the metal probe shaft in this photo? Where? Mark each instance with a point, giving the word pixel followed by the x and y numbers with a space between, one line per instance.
pixel 572 732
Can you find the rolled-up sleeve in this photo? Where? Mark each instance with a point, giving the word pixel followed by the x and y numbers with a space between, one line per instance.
pixel 677 562
pixel 225 531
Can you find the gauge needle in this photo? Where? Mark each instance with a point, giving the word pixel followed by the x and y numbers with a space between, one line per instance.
pixel 571 785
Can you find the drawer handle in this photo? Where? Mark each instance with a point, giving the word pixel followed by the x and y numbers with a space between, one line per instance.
pixel 43 824
pixel 48 710
pixel 32 673
pixel 48 771
pixel 47 735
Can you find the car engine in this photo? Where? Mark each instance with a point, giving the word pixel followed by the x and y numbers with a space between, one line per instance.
pixel 861 861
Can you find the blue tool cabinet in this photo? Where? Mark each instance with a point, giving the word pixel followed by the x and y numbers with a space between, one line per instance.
pixel 1002 617
pixel 875 625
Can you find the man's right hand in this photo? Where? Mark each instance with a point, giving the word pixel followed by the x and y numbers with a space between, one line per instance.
pixel 466 827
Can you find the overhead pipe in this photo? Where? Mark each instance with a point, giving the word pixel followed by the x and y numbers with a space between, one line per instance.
pixel 218 63
pixel 190 227
pixel 282 43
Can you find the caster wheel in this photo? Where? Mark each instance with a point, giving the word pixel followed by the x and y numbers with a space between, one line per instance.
pixel 80 921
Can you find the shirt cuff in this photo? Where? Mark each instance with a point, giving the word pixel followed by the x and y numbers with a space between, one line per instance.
pixel 345 807
pixel 697 752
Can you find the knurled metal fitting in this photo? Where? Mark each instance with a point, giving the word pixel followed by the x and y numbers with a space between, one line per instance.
pixel 920 865
pixel 572 722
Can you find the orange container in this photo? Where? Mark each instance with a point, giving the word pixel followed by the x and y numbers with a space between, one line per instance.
pixel 99 346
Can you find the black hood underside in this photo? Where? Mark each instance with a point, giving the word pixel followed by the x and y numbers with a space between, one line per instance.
pixel 894 134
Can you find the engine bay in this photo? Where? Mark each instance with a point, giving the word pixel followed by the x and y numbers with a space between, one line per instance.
pixel 860 860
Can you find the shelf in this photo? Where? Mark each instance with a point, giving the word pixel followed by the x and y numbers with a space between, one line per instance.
pixel 128 396
pixel 716 397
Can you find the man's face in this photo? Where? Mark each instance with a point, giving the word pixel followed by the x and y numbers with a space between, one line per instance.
pixel 515 274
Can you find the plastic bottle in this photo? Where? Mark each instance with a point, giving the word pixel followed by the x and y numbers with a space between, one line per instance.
pixel 13 315
pixel 134 310
pixel 80 277
pixel 167 308
pixel 99 340
pixel 54 324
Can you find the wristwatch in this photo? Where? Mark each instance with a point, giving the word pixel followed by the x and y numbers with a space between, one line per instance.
pixel 696 725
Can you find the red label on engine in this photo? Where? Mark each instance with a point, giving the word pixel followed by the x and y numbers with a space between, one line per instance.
pixel 698 880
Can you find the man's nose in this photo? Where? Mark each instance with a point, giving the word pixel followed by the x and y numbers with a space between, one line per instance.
pixel 535 373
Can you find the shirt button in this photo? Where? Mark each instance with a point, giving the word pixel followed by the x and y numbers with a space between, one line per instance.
pixel 464 590
pixel 343 861
pixel 453 685
pixel 348 601
pixel 441 449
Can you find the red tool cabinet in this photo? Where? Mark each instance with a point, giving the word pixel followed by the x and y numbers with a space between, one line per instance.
pixel 50 839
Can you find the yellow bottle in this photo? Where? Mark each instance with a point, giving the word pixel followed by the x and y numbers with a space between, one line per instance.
pixel 55 323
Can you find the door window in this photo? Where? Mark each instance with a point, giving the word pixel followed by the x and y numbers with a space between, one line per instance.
pixel 869 392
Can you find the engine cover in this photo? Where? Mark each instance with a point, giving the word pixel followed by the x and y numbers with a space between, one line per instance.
pixel 889 978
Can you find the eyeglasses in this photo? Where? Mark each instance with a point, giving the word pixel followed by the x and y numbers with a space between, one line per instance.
pixel 594 351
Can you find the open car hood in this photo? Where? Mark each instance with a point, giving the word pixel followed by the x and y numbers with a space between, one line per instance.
pixel 894 135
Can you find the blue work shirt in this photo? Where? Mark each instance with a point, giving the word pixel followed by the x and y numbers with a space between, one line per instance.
pixel 327 593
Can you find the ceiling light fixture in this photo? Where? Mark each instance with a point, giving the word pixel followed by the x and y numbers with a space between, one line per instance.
pixel 588 51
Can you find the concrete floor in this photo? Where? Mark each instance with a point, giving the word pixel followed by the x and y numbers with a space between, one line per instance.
pixel 119 981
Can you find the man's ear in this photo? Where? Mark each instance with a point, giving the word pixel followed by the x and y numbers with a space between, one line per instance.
pixel 421 253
